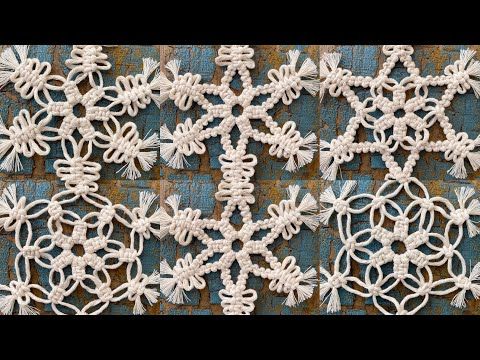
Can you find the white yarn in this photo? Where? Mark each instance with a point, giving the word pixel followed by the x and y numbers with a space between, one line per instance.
pixel 32 79
pixel 457 147
pixel 362 247
pixel 236 188
pixel 27 136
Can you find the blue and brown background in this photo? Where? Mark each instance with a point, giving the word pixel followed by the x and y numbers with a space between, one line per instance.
pixel 197 183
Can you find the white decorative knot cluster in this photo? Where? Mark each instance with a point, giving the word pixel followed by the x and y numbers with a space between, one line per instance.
pixel 384 268
pixel 236 188
pixel 79 252
pixel 31 133
pixel 420 113
pixel 70 268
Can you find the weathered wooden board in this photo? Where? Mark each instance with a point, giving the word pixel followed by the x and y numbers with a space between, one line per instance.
pixel 198 183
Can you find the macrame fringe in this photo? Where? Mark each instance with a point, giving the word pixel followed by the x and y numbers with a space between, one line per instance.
pixel 458 169
pixel 169 286
pixel 9 62
pixel 7 303
pixel 328 166
pixel 327 291
pixel 459 300
pixel 304 290
pixel 169 152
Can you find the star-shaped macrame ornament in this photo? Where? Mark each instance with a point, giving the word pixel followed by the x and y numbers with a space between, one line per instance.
pixel 236 188
pixel 405 121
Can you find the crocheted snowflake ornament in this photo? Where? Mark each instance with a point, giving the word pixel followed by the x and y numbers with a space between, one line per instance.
pixel 57 252
pixel 384 267
pixel 236 188
pixel 31 133
pixel 410 131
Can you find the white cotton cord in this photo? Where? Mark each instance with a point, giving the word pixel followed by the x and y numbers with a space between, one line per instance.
pixel 30 135
pixel 340 82
pixel 390 264
pixel 236 188
pixel 10 60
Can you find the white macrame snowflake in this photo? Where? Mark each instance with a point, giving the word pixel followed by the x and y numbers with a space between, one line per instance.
pixel 236 188
pixel 385 269
pixel 101 252
pixel 31 133
pixel 420 113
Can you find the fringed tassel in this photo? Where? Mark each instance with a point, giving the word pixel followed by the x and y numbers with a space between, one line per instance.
pixel 169 152
pixel 7 303
pixel 9 62
pixel 328 197
pixel 458 169
pixel 328 166
pixel 308 71
pixel 472 68
pixel 169 286
pixel 328 291
pixel 304 290
pixel 307 149
pixel 150 294
pixel 459 300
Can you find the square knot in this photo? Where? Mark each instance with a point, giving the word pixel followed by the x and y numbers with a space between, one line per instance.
pixel 73 95
pixel 91 246
pixel 378 202
pixel 382 235
pixel 427 204
pixel 79 233
pixel 55 210
pixel 337 280
pixel 104 293
pixel 97 113
pixel 127 255
pixel 31 252
pixel 185 90
pixel 106 214
pixel 424 289
pixel 62 261
pixel 459 216
pixel 400 265
pixel 417 258
pixel 416 239
pixel 94 261
pixel 56 295
pixel 350 244
pixel 374 290
pixel 341 206
pixel 235 55
pixel 61 109
pixel 463 282
pixel 79 268
pixel 381 257
pixel 400 229
pixel 448 251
